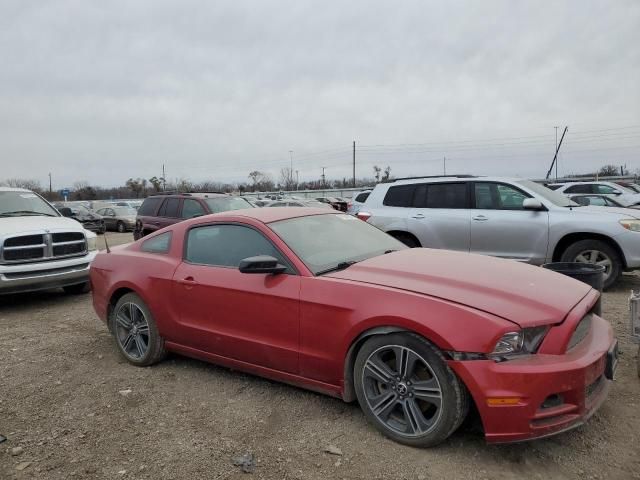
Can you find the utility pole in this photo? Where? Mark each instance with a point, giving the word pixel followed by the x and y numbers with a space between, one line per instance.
pixel 323 184
pixel 164 181
pixel 444 165
pixel 556 149
pixel 291 169
pixel 297 180
pixel 354 164
pixel 50 189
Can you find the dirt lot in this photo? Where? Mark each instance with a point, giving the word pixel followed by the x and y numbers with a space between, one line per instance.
pixel 60 378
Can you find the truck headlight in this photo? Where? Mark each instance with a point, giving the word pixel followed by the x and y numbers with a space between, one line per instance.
pixel 91 242
pixel 523 341
pixel 633 225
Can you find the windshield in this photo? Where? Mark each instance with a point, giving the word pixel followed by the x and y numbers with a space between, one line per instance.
pixel 325 241
pixel 16 204
pixel 125 212
pixel 552 196
pixel 225 204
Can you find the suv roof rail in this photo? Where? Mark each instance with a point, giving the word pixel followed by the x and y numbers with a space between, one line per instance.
pixel 431 176
pixel 168 192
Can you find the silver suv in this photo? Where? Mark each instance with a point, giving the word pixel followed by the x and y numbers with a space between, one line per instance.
pixel 505 217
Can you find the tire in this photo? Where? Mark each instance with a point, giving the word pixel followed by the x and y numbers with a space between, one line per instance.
pixel 139 341
pixel 120 227
pixel 77 289
pixel 581 252
pixel 406 238
pixel 401 409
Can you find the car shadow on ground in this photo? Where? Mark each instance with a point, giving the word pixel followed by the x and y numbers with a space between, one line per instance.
pixel 25 301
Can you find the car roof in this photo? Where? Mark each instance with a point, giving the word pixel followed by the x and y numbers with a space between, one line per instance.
pixel 268 215
pixel 191 195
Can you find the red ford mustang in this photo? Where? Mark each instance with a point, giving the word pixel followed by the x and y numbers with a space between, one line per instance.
pixel 327 302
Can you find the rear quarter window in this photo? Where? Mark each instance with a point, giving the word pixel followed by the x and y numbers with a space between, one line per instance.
pixel 149 206
pixel 399 196
pixel 362 197
pixel 157 244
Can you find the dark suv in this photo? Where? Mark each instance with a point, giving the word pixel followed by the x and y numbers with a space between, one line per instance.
pixel 159 211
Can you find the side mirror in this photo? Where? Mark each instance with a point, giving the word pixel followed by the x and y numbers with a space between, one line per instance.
pixel 617 193
pixel 65 212
pixel 261 264
pixel 532 204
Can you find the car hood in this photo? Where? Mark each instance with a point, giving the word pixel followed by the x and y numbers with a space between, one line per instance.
pixel 27 224
pixel 521 293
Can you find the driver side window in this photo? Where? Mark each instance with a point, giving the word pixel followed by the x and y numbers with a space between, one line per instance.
pixel 227 245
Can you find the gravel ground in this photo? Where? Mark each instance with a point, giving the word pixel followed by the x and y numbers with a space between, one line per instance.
pixel 71 407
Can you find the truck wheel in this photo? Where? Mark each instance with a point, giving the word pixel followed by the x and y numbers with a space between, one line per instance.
pixel 77 289
pixel 598 252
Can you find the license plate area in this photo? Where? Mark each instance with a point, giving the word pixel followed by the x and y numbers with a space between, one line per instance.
pixel 612 361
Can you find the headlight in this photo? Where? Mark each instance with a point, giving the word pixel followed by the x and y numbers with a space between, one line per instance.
pixel 524 341
pixel 633 225
pixel 91 242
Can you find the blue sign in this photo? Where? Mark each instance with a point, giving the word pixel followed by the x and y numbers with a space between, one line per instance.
pixel 64 192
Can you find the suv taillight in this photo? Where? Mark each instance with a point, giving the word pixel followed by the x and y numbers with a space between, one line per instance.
pixel 363 215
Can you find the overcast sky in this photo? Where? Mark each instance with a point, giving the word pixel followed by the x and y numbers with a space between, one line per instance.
pixel 106 90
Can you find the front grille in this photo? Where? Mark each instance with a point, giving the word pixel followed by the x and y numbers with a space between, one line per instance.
pixel 24 241
pixel 23 254
pixel 67 237
pixel 31 248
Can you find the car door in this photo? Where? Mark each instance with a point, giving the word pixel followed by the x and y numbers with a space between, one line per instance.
pixel 253 318
pixel 109 218
pixel 440 215
pixel 501 227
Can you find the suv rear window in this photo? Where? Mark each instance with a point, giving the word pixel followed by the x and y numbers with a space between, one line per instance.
pixel 149 206
pixel 399 196
pixel 362 197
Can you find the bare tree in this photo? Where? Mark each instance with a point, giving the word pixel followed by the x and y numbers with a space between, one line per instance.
pixel 609 171
pixel 287 181
pixel 156 183
pixel 387 174
pixel 376 173
pixel 27 183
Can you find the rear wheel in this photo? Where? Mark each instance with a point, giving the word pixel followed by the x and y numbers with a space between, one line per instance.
pixel 599 253
pixel 406 238
pixel 407 391
pixel 135 331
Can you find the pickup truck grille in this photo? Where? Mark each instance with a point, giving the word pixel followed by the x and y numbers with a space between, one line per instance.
pixel 49 246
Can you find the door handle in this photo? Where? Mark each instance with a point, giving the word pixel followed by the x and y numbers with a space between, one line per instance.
pixel 418 216
pixel 189 282
pixel 480 218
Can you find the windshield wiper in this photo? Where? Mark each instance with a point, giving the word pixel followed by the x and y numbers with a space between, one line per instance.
pixel 389 251
pixel 25 212
pixel 340 266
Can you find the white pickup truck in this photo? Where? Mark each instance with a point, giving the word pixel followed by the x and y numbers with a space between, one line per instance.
pixel 39 248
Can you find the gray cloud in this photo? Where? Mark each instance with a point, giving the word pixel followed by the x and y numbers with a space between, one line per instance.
pixel 107 90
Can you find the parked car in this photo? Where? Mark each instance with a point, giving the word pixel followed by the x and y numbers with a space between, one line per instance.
pixel 358 200
pixel 597 201
pixel 89 220
pixel 630 186
pixel 159 211
pixel 623 195
pixel 39 248
pixel 298 203
pixel 503 217
pixel 336 203
pixel 413 334
pixel 120 219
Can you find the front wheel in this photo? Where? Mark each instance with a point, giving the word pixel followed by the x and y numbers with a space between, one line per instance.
pixel 407 391
pixel 135 331
pixel 121 227
pixel 596 252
